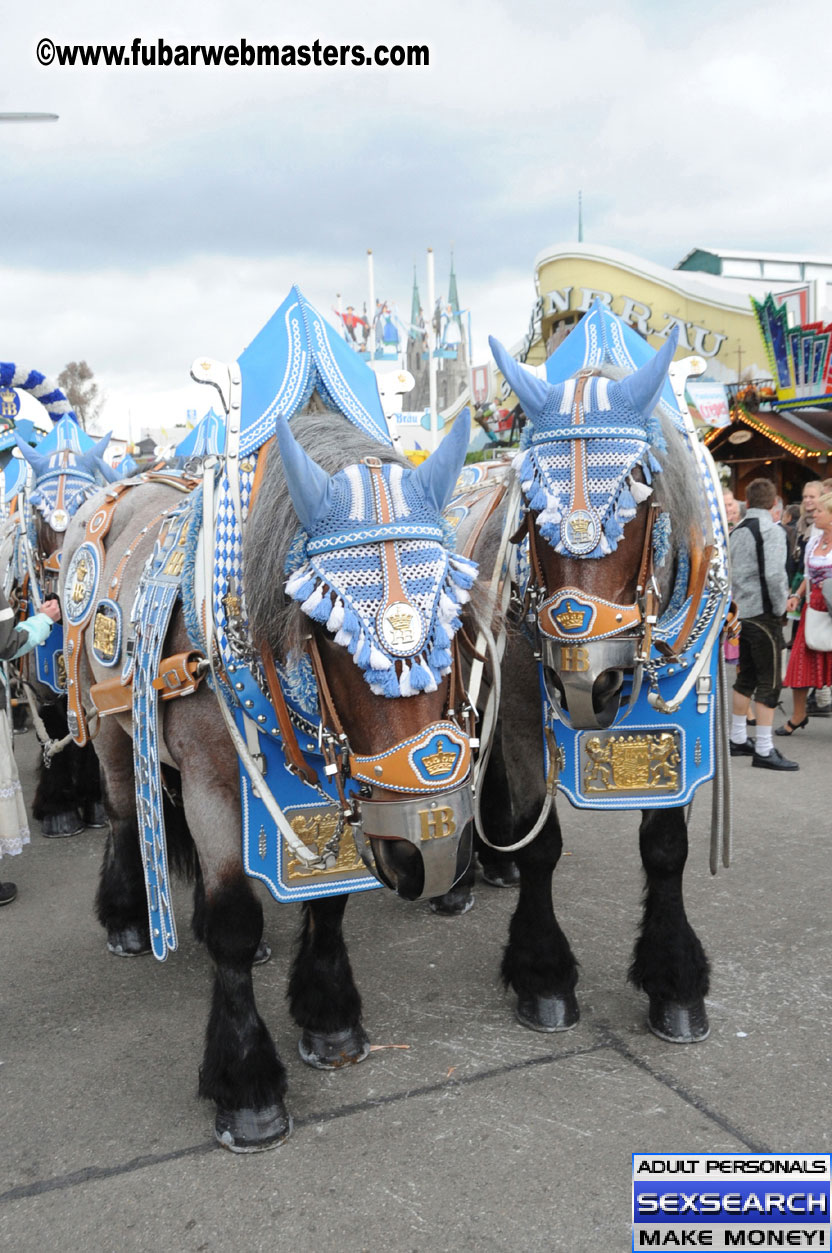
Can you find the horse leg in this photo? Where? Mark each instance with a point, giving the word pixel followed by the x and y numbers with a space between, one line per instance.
pixel 323 998
pixel 669 963
pixel 121 899
pixel 87 779
pixel 538 962
pixel 55 801
pixel 241 1071
pixel 498 869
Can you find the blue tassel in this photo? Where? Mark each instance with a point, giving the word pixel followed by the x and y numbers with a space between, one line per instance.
pixel 362 657
pixel 305 591
pixel 441 638
pixel 439 659
pixel 625 501
pixel 655 466
pixel 351 624
pixel 613 529
pixel 420 678
pixel 387 680
pixel 538 500
pixel 322 610
pixel 463 578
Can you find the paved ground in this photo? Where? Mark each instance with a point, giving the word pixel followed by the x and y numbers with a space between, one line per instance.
pixel 479 1135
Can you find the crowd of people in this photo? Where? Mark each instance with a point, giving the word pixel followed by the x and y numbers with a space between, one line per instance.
pixel 781 561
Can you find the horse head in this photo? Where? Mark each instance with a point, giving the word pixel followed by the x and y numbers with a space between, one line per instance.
pixel 596 529
pixel 377 594
pixel 63 479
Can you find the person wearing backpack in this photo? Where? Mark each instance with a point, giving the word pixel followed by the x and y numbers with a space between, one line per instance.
pixel 760 587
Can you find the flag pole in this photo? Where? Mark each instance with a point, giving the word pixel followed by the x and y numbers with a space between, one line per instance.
pixel 371 337
pixel 434 426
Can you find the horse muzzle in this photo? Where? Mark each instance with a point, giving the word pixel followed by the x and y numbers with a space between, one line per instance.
pixel 585 681
pixel 419 847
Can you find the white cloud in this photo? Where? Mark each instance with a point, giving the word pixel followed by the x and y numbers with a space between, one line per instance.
pixel 168 211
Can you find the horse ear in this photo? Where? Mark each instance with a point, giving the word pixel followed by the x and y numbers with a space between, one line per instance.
pixel 531 391
pixel 643 389
pixel 309 487
pixel 38 462
pixel 110 475
pixel 101 447
pixel 438 474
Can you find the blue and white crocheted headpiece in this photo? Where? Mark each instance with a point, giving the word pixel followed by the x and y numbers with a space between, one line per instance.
pixel 65 476
pixel 583 439
pixel 372 564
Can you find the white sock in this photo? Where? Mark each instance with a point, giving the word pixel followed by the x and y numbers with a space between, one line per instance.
pixel 739 732
pixel 823 697
pixel 764 744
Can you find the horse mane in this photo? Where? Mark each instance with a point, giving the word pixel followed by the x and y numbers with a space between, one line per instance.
pixel 334 443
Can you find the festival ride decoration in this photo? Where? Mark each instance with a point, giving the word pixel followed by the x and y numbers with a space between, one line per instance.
pixel 614 562
pixel 341 696
pixel 800 356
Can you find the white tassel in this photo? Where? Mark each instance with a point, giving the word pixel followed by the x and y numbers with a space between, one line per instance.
pixel 404 681
pixel 343 638
pixel 378 661
pixel 297 580
pixel 447 609
pixel 639 491
pixel 314 600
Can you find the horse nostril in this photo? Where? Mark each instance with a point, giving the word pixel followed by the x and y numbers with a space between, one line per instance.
pixel 399 866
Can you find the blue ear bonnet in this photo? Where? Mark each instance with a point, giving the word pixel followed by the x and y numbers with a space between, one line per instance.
pixel 617 430
pixel 338 572
pixel 79 482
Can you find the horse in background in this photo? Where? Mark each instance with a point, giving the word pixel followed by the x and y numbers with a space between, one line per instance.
pixel 369 611
pixel 619 591
pixel 67 468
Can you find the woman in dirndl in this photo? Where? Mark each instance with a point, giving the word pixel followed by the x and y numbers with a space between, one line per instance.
pixel 807 667
pixel 15 640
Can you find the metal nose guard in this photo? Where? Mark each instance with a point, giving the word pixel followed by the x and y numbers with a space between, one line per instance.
pixel 432 824
pixel 579 666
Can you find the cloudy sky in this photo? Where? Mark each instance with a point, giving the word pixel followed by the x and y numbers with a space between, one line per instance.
pixel 169 209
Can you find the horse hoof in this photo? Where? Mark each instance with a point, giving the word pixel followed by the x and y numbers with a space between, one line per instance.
pixel 129 942
pixel 95 816
pixel 506 875
pixel 333 1049
pixel 252 1130
pixel 679 1024
pixel 262 955
pixel 548 1013
pixel 453 904
pixel 57 826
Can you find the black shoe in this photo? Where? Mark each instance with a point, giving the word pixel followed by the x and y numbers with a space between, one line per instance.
pixel 774 761
pixel 818 711
pixel 8 892
pixel 746 749
pixel 789 727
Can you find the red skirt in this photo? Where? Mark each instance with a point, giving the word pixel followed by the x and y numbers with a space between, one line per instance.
pixel 807 668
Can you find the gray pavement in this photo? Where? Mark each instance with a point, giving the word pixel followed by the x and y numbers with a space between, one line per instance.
pixel 479 1134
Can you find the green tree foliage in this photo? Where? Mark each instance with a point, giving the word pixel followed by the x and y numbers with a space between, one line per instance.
pixel 78 382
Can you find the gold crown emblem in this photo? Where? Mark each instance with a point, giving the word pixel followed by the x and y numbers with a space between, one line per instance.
pixel 439 762
pixel 581 527
pixel 570 619
pixel 400 621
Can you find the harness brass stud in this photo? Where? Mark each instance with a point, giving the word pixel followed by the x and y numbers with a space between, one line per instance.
pixel 377 770
pixel 249 704
pixel 261 717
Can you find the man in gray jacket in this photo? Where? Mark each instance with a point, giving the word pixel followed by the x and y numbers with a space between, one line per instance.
pixel 760 587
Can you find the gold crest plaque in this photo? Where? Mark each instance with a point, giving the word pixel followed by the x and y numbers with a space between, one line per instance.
pixel 648 761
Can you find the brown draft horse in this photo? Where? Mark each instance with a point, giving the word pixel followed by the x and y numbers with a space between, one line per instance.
pixel 241 1071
